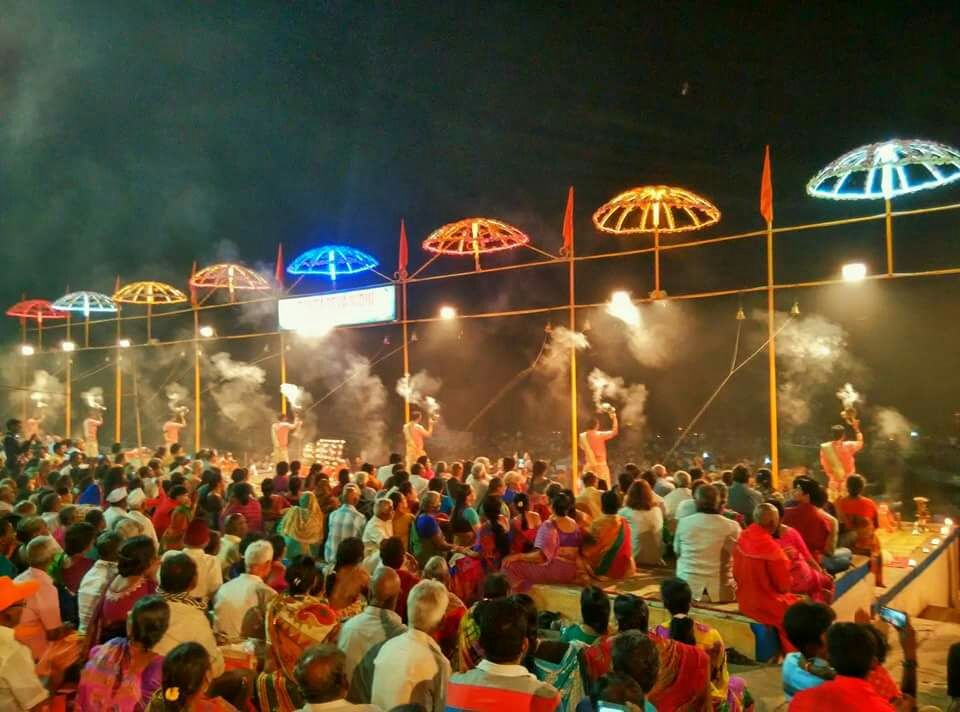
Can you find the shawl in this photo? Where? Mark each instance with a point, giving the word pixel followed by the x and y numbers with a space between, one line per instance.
pixel 303 522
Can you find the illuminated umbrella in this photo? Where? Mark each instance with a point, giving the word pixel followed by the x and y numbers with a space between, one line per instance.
pixel 886 170
pixel 229 276
pixel 331 261
pixel 85 303
pixel 475 236
pixel 37 310
pixel 149 293
pixel 657 209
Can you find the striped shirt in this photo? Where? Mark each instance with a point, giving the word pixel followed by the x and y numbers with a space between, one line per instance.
pixel 491 687
pixel 345 522
pixel 365 630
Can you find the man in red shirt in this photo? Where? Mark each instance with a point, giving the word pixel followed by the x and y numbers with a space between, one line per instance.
pixel 393 556
pixel 806 518
pixel 859 522
pixel 851 649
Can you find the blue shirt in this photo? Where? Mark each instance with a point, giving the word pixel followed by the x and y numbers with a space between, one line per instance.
pixel 796 679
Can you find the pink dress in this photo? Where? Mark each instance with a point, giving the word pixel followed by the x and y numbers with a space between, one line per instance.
pixel 555 569
pixel 803 577
pixel 110 618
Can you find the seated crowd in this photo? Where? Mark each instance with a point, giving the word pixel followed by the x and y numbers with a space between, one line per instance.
pixel 180 584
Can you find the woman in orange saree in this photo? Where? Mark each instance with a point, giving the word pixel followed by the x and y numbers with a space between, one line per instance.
pixel 608 546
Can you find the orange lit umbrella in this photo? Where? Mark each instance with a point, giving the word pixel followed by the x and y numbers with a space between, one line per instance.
pixel 229 276
pixel 657 209
pixel 475 236
pixel 149 293
pixel 37 310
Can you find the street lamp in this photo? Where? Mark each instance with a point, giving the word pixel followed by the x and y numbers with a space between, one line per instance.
pixel 206 331
pixel 448 313
pixel 26 350
pixel 854 272
pixel 68 346
pixel 124 343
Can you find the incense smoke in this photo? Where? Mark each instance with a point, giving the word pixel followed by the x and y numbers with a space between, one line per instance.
pixel 238 393
pixel 651 334
pixel 176 398
pixel 848 396
pixel 294 394
pixel 94 398
pixel 45 393
pixel 633 398
pixel 556 355
pixel 891 424
pixel 419 389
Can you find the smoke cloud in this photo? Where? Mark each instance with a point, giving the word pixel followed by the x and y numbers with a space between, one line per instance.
pixel 420 389
pixel 848 396
pixel 632 398
pixel 237 391
pixel 94 398
pixel 891 424
pixel 177 398
pixel 556 356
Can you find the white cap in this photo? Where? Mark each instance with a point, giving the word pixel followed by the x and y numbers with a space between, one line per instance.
pixel 136 498
pixel 117 495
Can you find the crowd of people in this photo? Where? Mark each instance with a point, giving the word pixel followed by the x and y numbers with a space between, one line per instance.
pixel 170 582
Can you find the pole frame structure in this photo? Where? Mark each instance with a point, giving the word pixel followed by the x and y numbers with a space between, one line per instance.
pixel 68 407
pixel 283 371
pixel 196 379
pixel 574 426
pixel 406 345
pixel 772 362
pixel 888 220
pixel 23 370
pixel 118 390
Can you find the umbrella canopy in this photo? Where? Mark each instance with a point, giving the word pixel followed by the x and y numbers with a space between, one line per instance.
pixel 228 276
pixel 85 303
pixel 36 309
pixel 655 208
pixel 332 260
pixel 887 169
pixel 474 236
pixel 149 293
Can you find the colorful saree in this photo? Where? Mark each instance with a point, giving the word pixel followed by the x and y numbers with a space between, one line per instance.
pixel 610 552
pixel 107 683
pixel 565 676
pixel 302 527
pixel 558 565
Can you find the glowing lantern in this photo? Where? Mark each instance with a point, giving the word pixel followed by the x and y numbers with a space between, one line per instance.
pixel 149 293
pixel 474 236
pixel 232 277
pixel 886 170
pixel 655 209
pixel 331 261
pixel 38 310
pixel 85 303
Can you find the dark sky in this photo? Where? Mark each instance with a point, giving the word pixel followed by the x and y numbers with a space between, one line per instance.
pixel 137 137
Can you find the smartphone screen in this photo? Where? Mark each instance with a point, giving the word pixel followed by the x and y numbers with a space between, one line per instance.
pixel 898 619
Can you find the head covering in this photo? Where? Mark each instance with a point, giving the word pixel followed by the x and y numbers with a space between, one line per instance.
pixel 12 592
pixel 198 533
pixel 303 523
pixel 136 498
pixel 118 495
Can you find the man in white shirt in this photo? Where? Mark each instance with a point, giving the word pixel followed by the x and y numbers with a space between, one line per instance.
pixel 379 527
pixel 96 579
pixel 414 436
pixel 680 493
pixel 379 621
pixel 135 504
pixel 209 574
pixel 385 471
pixel 117 499
pixel 41 622
pixel 322 680
pixel 589 499
pixel 234 529
pixel 417 480
pixel 241 604
pixel 663 485
pixel 345 522
pixel 704 544
pixel 188 616
pixel 411 668
pixel 20 688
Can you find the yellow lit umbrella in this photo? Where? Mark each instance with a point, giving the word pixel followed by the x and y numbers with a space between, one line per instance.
pixel 149 293
pixel 229 276
pixel 475 237
pixel 657 209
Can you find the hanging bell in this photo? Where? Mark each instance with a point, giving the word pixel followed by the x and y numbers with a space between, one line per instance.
pixel 795 309
pixel 740 314
pixel 548 328
pixel 386 340
pixel 413 337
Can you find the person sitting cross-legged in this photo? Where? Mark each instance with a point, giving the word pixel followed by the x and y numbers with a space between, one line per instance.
pixel 500 681
pixel 322 680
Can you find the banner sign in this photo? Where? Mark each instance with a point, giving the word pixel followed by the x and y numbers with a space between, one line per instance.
pixel 357 306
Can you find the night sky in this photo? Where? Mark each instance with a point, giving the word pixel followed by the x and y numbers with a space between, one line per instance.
pixel 137 137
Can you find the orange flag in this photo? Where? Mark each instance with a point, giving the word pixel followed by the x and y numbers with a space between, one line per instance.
pixel 278 271
pixel 116 285
pixel 193 288
pixel 766 189
pixel 403 256
pixel 568 223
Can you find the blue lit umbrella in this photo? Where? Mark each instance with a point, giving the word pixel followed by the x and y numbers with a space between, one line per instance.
pixel 85 303
pixel 331 261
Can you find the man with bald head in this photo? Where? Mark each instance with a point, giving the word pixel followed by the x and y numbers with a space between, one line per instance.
pixel 378 621
pixel 762 572
pixel 704 544
pixel 322 681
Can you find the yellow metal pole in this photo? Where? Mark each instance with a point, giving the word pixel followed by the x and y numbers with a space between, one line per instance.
pixel 118 389
pixel 23 370
pixel 283 371
pixel 196 379
pixel 149 315
pixel 136 406
pixel 889 223
pixel 772 363
pixel 68 415
pixel 86 330
pixel 406 344
pixel 574 428
pixel 656 262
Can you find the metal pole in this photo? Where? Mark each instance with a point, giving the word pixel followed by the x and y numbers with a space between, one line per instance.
pixel 86 330
pixel 23 370
pixel 283 372
pixel 196 379
pixel 656 262
pixel 118 389
pixel 68 415
pixel 574 427
pixel 406 345
pixel 888 217
pixel 772 363
pixel 136 406
pixel 149 315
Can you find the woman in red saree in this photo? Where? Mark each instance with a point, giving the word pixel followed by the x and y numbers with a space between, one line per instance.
pixel 608 546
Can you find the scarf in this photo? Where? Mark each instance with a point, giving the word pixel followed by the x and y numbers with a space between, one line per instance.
pixel 304 523
pixel 185 598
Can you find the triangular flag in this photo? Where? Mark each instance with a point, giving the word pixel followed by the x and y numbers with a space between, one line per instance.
pixel 193 288
pixel 278 272
pixel 766 189
pixel 403 256
pixel 116 285
pixel 568 223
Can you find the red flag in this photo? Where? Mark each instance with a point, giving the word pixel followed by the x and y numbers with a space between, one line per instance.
pixel 766 189
pixel 193 288
pixel 116 285
pixel 568 223
pixel 403 256
pixel 278 271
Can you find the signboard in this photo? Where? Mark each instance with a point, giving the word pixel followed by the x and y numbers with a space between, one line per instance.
pixel 357 306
